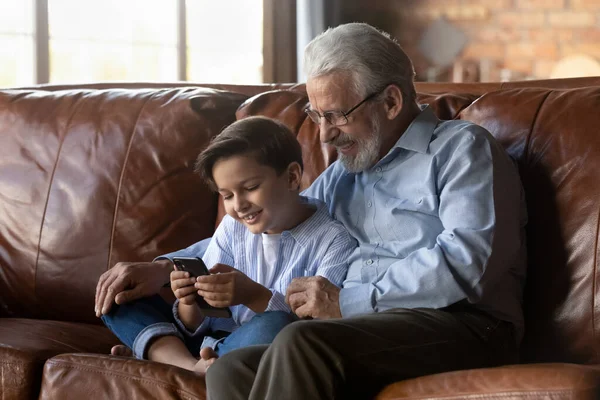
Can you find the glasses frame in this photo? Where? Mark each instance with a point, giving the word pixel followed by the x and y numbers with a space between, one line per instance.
pixel 327 114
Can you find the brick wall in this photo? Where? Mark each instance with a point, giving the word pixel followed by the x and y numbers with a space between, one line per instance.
pixel 523 37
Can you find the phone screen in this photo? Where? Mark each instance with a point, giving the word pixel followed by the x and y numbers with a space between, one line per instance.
pixel 196 267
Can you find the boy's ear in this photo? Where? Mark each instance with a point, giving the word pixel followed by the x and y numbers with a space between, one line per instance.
pixel 294 176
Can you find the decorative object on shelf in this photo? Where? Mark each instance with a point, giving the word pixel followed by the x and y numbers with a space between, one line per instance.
pixel 441 44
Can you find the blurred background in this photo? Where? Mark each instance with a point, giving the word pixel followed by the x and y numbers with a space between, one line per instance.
pixel 261 41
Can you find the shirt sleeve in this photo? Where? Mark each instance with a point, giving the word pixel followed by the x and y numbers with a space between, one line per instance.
pixel 453 268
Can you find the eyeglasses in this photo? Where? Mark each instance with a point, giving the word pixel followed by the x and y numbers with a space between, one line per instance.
pixel 337 118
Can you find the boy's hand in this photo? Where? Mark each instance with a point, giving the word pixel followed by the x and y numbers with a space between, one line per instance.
pixel 226 286
pixel 183 287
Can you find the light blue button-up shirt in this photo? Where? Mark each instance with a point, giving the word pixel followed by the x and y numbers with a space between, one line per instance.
pixel 440 219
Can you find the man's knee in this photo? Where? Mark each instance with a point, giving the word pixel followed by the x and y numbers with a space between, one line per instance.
pixel 237 366
pixel 221 369
pixel 297 333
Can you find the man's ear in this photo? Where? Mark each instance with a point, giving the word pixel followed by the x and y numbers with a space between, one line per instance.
pixel 294 172
pixel 393 101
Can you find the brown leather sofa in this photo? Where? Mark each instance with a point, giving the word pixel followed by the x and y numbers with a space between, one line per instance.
pixel 96 174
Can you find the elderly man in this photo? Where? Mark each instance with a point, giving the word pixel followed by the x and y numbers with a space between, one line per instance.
pixel 438 211
pixel 437 208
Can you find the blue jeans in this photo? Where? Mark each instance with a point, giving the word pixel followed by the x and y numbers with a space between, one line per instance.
pixel 138 323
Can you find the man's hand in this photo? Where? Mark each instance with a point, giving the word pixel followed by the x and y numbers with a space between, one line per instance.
pixel 128 281
pixel 315 297
pixel 226 286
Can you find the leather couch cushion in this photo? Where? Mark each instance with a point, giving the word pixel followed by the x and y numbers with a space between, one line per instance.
pixel 86 376
pixel 552 134
pixel 89 178
pixel 25 344
pixel 526 382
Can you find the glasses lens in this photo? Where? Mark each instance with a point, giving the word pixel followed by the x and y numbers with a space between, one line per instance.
pixel 313 115
pixel 336 118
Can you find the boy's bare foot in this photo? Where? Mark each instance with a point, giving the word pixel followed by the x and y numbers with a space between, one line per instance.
pixel 121 350
pixel 207 357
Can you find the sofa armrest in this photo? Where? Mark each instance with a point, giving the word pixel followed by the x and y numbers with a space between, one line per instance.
pixel 93 376
pixel 531 381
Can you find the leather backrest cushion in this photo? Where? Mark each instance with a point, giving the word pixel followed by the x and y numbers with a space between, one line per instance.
pixel 553 136
pixel 89 178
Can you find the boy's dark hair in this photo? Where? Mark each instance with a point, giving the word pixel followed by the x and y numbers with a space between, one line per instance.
pixel 268 141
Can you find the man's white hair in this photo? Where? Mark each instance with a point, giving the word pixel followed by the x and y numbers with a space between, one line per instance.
pixel 370 57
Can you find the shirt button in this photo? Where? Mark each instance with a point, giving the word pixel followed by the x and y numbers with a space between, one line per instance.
pixel 378 169
pixel 369 204
pixel 369 262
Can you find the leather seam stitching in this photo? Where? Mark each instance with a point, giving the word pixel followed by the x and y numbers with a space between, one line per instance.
pixel 72 365
pixel 121 177
pixel 51 183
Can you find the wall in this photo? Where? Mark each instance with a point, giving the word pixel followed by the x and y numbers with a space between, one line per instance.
pixel 526 38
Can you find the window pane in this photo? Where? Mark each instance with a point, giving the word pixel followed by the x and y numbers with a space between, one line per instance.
pixel 16 16
pixel 16 43
pixel 131 40
pixel 16 60
pixel 90 61
pixel 225 50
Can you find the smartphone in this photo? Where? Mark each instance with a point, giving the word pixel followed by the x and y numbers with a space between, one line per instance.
pixel 196 267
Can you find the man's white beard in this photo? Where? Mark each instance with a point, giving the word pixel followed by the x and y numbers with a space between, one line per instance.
pixel 368 151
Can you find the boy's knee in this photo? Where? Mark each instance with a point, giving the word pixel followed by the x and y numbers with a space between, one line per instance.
pixel 238 366
pixel 279 318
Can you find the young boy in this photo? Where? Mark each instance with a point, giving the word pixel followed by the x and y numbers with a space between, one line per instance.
pixel 269 236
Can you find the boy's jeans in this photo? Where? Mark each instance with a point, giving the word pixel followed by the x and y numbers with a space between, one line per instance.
pixel 138 323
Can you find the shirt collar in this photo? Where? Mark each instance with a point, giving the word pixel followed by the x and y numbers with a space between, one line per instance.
pixel 418 134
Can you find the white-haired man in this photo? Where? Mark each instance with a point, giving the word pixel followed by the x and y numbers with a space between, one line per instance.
pixel 438 210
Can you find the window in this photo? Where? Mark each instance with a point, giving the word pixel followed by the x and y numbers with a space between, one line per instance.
pixel 134 40
pixel 224 50
pixel 16 43
pixel 207 41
